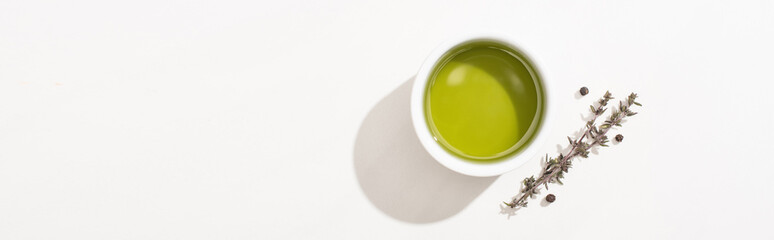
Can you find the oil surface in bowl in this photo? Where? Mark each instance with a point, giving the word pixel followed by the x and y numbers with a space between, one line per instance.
pixel 483 101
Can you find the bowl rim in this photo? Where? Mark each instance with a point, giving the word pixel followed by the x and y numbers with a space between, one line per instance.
pixel 457 163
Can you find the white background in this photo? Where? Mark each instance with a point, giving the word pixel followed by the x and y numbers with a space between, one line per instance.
pixel 288 119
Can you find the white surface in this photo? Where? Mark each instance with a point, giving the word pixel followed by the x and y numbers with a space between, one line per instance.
pixel 250 120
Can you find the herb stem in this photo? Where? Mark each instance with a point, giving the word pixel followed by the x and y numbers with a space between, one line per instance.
pixel 554 169
pixel 557 166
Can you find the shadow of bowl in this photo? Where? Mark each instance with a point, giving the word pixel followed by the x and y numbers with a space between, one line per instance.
pixel 398 176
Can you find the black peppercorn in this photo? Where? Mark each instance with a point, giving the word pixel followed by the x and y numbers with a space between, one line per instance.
pixel 619 138
pixel 550 198
pixel 584 91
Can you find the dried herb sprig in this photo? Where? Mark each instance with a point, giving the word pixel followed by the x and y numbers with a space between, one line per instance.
pixel 592 136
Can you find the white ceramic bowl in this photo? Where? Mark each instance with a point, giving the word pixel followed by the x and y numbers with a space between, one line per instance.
pixel 455 162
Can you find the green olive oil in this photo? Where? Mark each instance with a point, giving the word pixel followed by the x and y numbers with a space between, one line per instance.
pixel 484 101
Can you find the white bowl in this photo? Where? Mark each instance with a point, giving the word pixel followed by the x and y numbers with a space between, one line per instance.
pixel 455 162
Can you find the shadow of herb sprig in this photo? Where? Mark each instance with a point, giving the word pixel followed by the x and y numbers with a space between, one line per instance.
pixel 593 136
